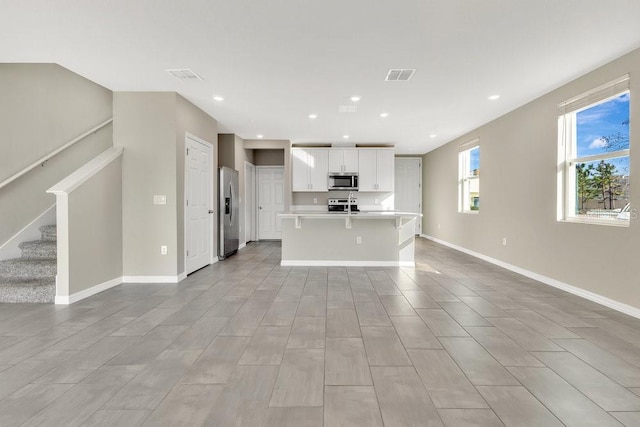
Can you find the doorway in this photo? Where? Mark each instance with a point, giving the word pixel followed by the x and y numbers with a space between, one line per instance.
pixel 270 186
pixel 408 187
pixel 198 195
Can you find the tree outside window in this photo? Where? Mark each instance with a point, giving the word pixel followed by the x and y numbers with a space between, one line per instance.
pixel 594 151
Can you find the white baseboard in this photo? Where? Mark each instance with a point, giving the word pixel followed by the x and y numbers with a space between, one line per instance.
pixel 31 231
pixel 329 263
pixel 154 279
pixel 591 296
pixel 242 245
pixel 115 282
pixel 88 292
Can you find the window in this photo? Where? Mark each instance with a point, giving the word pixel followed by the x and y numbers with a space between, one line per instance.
pixel 469 178
pixel 593 178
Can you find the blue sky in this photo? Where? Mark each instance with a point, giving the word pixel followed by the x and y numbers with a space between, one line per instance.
pixel 474 156
pixel 603 120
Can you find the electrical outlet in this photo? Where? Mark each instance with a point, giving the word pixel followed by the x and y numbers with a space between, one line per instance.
pixel 375 201
pixel 315 200
pixel 163 250
pixel 358 240
pixel 159 199
pixel 504 241
pixel 438 226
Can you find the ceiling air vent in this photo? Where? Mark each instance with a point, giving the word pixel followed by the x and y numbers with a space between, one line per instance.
pixel 184 74
pixel 400 74
pixel 347 108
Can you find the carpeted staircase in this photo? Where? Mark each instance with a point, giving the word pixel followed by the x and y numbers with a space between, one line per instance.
pixel 31 278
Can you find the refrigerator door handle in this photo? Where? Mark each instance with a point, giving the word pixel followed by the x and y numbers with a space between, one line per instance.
pixel 231 201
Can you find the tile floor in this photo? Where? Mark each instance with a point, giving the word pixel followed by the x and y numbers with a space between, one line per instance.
pixel 245 342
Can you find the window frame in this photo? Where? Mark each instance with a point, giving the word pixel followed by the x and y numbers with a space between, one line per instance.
pixel 568 150
pixel 465 178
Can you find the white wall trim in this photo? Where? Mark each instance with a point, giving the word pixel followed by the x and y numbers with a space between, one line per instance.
pixel 81 175
pixel 308 208
pixel 66 300
pixel 591 296
pixel 330 263
pixel 10 249
pixel 242 245
pixel 153 279
pixel 213 222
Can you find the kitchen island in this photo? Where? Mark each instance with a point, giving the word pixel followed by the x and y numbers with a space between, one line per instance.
pixel 381 238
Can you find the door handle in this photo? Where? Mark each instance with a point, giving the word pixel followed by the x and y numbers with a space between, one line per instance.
pixel 210 211
pixel 260 208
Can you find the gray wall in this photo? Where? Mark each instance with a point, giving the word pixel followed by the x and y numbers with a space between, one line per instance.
pixel 226 150
pixel 145 124
pixel 328 239
pixel 275 144
pixel 269 158
pixel 42 107
pixel 518 191
pixel 95 229
pixel 152 126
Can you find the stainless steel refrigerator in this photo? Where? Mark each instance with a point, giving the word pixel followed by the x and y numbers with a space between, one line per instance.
pixel 228 208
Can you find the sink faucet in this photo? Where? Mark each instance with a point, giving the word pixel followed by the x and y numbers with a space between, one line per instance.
pixel 349 201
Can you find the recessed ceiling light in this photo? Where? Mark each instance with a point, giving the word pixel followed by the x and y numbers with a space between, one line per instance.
pixel 260 136
pixel 433 135
pixel 383 115
pixel 345 136
pixel 218 98
pixel 355 98
pixel 313 116
pixel 494 97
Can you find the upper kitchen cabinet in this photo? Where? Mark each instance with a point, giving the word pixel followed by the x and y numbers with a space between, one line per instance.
pixel 343 160
pixel 375 169
pixel 309 169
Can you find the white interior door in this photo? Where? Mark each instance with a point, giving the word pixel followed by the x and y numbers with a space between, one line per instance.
pixel 270 185
pixel 199 204
pixel 249 201
pixel 408 187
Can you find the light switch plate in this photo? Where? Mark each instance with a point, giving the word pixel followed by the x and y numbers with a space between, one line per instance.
pixel 159 199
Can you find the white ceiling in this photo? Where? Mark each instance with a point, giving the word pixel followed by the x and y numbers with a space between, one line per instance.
pixel 277 61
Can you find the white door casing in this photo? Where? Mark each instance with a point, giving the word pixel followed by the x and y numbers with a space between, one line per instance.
pixel 198 204
pixel 408 187
pixel 270 187
pixel 249 201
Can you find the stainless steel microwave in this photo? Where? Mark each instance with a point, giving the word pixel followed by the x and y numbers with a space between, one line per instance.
pixel 343 181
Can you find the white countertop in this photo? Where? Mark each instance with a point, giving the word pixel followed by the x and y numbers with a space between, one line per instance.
pixel 353 215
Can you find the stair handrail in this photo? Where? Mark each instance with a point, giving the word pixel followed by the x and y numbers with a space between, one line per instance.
pixel 55 152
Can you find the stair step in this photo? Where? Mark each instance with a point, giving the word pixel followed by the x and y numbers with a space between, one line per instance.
pixel 39 249
pixel 49 232
pixel 27 291
pixel 20 268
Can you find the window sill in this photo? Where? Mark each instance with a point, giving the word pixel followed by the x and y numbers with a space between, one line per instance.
pixel 610 223
pixel 469 212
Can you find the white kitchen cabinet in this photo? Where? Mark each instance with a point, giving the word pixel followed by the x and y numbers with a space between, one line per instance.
pixel 385 165
pixel 343 160
pixel 309 169
pixel 375 169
